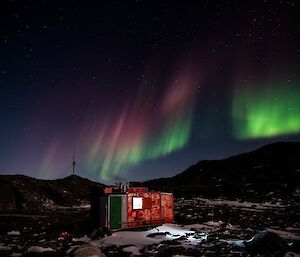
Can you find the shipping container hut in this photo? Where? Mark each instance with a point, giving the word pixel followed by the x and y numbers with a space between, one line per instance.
pixel 132 207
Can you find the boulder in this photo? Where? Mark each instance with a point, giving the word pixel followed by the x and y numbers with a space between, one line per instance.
pixel 268 243
pixel 87 250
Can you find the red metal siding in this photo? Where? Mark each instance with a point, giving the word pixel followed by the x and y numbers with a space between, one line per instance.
pixel 108 190
pixel 145 216
pixel 147 203
pixel 137 189
pixel 152 208
pixel 167 207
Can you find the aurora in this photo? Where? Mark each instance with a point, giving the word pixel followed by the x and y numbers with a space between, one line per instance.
pixel 142 90
pixel 269 111
pixel 141 132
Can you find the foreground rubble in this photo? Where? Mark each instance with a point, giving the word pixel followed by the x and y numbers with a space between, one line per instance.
pixel 204 228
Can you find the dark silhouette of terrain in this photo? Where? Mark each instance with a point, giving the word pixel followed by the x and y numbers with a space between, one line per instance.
pixel 23 192
pixel 270 172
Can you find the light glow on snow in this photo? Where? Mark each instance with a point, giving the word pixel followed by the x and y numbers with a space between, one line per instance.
pixel 139 239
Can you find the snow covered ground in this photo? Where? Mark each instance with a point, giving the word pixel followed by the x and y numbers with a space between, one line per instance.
pixel 136 242
pixel 207 228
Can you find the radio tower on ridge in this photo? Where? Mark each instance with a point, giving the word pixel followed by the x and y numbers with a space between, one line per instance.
pixel 74 163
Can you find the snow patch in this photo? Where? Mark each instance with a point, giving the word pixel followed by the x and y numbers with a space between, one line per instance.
pixel 132 249
pixel 139 239
pixel 16 254
pixel 212 223
pixel 180 255
pixel 39 249
pixel 174 230
pixel 13 233
pixel 84 239
pixel 238 243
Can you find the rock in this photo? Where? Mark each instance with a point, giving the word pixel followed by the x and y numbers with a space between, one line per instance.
pixel 266 242
pixel 291 254
pixel 87 250
pixel 157 234
pixel 163 251
pixel 13 233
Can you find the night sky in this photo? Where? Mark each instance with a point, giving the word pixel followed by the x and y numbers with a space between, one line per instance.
pixel 144 89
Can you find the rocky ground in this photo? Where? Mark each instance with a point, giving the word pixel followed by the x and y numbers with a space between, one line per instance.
pixel 204 228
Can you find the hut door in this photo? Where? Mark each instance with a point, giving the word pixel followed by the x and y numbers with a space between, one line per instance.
pixel 115 212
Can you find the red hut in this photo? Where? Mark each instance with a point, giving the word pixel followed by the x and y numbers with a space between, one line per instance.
pixel 128 207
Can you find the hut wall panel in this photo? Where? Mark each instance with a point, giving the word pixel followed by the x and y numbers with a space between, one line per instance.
pixel 124 211
pixel 137 190
pixel 167 209
pixel 145 216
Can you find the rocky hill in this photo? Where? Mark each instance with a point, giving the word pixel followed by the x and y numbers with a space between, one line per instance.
pixel 22 192
pixel 270 172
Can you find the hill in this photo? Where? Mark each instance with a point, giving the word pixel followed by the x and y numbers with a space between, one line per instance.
pixel 268 173
pixel 23 192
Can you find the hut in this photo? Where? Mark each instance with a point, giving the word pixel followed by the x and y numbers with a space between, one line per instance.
pixel 123 207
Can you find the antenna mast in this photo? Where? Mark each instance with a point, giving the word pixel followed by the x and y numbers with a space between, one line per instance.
pixel 73 163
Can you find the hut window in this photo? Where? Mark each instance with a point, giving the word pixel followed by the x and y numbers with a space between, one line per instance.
pixel 137 203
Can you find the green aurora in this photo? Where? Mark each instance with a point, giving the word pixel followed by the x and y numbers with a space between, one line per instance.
pixel 174 137
pixel 268 112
